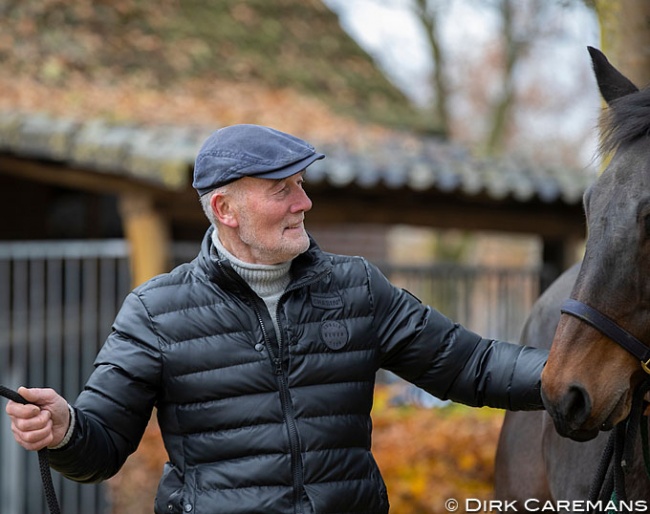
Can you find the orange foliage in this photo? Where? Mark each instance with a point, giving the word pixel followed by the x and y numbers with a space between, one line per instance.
pixel 426 456
pixel 133 489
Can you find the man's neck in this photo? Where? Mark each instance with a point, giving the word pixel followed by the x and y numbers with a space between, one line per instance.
pixel 263 278
pixel 267 280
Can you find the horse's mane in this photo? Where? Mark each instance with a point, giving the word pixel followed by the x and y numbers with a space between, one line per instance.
pixel 627 119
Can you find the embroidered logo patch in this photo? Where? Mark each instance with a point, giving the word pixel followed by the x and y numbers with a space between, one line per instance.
pixel 326 301
pixel 334 334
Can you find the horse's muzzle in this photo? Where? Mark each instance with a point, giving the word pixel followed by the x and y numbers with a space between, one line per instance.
pixel 570 413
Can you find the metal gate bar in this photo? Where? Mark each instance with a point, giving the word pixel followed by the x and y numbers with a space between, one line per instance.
pixel 57 303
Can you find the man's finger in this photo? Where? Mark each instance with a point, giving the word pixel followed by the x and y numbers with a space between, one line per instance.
pixel 36 395
pixel 19 410
pixel 34 440
pixel 28 424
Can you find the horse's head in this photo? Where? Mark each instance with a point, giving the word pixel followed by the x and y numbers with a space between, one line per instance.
pixel 588 381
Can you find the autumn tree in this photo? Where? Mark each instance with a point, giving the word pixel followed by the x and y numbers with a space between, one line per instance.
pixel 520 26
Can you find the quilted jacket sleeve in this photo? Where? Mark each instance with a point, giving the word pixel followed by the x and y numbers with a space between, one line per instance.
pixel 115 406
pixel 442 357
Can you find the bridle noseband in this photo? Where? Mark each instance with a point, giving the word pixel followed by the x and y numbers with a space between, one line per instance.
pixel 602 323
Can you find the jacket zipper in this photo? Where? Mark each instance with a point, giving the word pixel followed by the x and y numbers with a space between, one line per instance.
pixel 285 401
pixel 287 412
pixel 281 376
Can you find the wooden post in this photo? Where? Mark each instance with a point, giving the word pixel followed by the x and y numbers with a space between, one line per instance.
pixel 148 234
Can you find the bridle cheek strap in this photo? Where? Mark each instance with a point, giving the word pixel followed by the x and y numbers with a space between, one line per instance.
pixel 609 328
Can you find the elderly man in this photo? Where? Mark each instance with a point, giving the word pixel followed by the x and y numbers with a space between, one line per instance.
pixel 260 356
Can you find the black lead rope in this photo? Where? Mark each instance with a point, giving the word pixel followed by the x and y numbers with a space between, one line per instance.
pixel 43 461
pixel 609 480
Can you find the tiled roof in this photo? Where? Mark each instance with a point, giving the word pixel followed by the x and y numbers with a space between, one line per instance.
pixel 163 156
pixel 189 49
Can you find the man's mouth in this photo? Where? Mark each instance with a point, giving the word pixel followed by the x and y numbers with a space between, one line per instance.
pixel 295 226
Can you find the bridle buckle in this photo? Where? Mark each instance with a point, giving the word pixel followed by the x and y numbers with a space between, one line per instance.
pixel 646 366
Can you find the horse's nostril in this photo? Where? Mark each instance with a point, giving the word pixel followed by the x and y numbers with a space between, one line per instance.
pixel 575 407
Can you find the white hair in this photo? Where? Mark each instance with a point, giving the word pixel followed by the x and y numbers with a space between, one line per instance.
pixel 206 199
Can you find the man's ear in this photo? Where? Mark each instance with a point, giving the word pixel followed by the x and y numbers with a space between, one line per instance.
pixel 223 209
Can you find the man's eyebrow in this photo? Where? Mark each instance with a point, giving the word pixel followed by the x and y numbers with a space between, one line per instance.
pixel 275 181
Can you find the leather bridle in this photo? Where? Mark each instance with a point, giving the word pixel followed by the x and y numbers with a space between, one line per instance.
pixel 609 480
pixel 606 326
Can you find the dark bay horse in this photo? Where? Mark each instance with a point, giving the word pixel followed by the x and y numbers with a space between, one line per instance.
pixel 589 380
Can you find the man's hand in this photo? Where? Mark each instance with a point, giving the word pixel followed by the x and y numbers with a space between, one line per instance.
pixel 44 423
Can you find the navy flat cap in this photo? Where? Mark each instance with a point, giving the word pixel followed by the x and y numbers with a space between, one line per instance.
pixel 240 151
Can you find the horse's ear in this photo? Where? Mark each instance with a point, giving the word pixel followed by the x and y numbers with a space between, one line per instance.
pixel 611 82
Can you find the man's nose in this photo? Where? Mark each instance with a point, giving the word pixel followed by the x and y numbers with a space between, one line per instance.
pixel 302 203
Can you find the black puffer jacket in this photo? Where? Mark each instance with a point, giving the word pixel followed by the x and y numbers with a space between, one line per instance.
pixel 257 425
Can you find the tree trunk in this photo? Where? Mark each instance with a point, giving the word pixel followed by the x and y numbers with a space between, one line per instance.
pixel 502 106
pixel 429 22
pixel 625 36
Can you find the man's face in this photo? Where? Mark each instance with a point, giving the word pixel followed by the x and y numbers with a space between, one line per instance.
pixel 269 216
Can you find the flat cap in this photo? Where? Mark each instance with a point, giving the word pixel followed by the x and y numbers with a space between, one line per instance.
pixel 240 151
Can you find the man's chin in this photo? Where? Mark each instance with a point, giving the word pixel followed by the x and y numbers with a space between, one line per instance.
pixel 289 250
pixel 294 248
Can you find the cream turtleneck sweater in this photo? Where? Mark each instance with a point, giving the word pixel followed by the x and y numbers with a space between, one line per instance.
pixel 267 280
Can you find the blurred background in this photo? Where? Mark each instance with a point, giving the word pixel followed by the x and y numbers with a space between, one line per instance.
pixel 460 136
